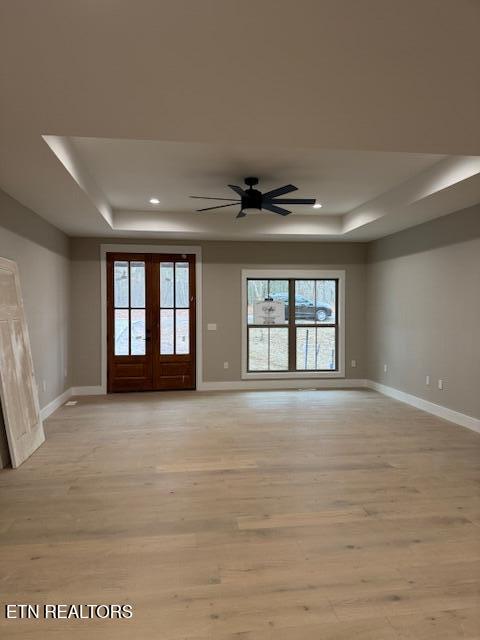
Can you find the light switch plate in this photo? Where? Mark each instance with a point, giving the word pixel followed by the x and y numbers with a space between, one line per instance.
pixel 211 326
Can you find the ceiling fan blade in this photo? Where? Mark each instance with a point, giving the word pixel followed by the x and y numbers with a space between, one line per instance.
pixel 207 198
pixel 288 188
pixel 293 201
pixel 218 206
pixel 238 190
pixel 241 214
pixel 274 209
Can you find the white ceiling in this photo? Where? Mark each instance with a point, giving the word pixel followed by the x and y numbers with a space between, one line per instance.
pixel 182 97
pixel 129 172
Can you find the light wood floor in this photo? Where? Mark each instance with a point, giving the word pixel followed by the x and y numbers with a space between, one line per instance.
pixel 249 516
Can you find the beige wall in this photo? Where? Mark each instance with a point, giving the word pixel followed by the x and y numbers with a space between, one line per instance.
pixel 222 264
pixel 86 312
pixel 423 310
pixel 42 255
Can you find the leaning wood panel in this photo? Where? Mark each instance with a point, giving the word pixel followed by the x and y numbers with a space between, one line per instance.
pixel 18 391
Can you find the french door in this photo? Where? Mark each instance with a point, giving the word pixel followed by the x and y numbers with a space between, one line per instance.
pixel 150 321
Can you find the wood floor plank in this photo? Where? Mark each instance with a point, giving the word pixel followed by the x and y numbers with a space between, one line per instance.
pixel 442 625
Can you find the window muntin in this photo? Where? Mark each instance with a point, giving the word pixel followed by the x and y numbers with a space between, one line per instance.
pixel 303 337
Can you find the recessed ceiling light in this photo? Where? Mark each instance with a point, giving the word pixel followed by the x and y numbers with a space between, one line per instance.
pixel 154 201
pixel 317 205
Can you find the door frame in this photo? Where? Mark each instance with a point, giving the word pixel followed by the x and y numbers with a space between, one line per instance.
pixel 147 248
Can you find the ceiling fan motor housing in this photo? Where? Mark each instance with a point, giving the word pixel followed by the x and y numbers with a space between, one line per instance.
pixel 252 199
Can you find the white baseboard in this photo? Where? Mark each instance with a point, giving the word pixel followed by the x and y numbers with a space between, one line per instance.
pixel 95 390
pixel 425 405
pixel 309 383
pixel 55 404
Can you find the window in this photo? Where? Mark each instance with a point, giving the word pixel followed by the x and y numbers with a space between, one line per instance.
pixel 129 307
pixel 292 324
pixel 174 308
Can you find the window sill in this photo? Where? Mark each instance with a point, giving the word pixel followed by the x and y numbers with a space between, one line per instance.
pixel 293 375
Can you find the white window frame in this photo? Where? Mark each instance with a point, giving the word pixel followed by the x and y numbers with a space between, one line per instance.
pixel 310 274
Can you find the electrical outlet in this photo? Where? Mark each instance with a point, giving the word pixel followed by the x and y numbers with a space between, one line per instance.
pixel 440 385
pixel 211 326
pixel 385 368
pixel 353 364
pixel 427 380
pixel 225 365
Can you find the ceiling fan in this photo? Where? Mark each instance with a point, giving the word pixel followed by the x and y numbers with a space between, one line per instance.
pixel 253 200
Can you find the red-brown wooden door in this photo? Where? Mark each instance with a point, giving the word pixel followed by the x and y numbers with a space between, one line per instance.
pixel 150 321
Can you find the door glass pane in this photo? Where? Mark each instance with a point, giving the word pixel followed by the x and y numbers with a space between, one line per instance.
pixel 137 286
pixel 182 331
pixel 120 286
pixel 121 332
pixel 326 301
pixel 181 284
pixel 137 332
pixel 316 348
pixel 258 349
pixel 166 284
pixel 166 331
pixel 278 343
pixel 305 302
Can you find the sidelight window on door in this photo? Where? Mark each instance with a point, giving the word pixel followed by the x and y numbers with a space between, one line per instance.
pixel 129 308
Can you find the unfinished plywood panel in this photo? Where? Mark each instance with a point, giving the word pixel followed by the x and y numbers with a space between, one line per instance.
pixel 18 390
